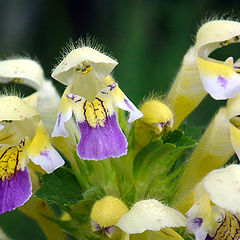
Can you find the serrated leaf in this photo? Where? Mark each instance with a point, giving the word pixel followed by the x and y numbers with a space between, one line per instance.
pixel 60 187
pixel 172 136
pixel 153 170
pixel 178 138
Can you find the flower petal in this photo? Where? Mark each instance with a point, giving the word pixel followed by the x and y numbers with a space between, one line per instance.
pixel 99 63
pixel 235 134
pixel 122 102
pixel 1 127
pixel 25 71
pixel 14 108
pixel 223 186
pixel 48 104
pixel 15 191
pixel 215 34
pixel 65 113
pixel 49 159
pixel 42 153
pixel 101 136
pixel 150 215
pixel 102 141
pixel 219 80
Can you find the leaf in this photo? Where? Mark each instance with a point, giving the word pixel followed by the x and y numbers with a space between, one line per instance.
pixel 154 169
pixel 93 194
pixel 60 187
pixel 178 138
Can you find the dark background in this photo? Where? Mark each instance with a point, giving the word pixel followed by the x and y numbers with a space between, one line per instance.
pixel 149 39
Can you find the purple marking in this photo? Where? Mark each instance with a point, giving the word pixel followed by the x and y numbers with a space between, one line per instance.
pixel 96 226
pixel 101 142
pixel 109 230
pixel 197 222
pixel 222 81
pixel 104 92
pixel 79 100
pixel 71 96
pixel 44 153
pixel 128 104
pixel 16 191
pixel 59 119
pixel 112 86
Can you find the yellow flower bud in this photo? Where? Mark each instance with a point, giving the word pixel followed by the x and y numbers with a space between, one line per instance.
pixel 107 211
pixel 157 117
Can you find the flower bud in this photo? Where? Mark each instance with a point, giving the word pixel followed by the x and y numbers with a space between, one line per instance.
pixel 157 117
pixel 107 211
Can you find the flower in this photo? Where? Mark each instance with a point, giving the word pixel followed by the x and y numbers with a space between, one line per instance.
pixel 220 79
pixel 45 99
pixel 157 118
pixel 218 144
pixel 92 96
pixel 154 216
pixel 105 214
pixel 213 150
pixel 200 74
pixel 215 213
pixel 22 137
pixel 111 214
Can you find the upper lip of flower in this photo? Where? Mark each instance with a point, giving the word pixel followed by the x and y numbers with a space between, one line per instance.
pixel 80 59
pixel 25 71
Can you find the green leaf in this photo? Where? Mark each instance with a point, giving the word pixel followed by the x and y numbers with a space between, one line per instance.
pixel 93 194
pixel 178 138
pixel 154 167
pixel 60 187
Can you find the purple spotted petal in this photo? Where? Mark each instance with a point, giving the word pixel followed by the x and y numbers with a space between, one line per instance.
pixel 195 226
pixel 16 191
pixel 101 142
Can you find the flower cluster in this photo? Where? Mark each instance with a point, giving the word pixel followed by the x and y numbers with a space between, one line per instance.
pixel 125 178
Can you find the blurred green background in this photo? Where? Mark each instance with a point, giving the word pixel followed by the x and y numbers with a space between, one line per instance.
pixel 148 37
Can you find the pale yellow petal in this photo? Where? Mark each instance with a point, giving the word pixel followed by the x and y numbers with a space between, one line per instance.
pixel 150 215
pixel 223 188
pixel 187 90
pixel 212 33
pixel 25 71
pixel 14 108
pixel 81 58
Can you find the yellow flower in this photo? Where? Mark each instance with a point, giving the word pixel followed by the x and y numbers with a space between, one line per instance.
pixel 157 117
pixel 215 148
pixel 200 74
pixel 145 217
pixel 215 213
pixel 22 137
pixel 92 95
